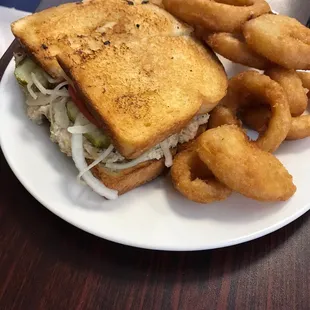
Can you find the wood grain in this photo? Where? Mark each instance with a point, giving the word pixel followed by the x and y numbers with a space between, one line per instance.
pixel 46 263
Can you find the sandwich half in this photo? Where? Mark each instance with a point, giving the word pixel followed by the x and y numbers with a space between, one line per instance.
pixel 122 83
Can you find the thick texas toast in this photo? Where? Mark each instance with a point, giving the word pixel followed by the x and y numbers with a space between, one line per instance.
pixel 136 67
pixel 126 180
pixel 143 91
pixel 88 26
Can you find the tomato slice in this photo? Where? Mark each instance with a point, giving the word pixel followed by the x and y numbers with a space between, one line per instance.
pixel 81 105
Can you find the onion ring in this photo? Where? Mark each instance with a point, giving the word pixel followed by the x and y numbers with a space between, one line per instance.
pixel 305 79
pixel 293 88
pixel 249 87
pixel 300 125
pixel 281 39
pixel 258 116
pixel 155 2
pixel 219 15
pixel 194 180
pixel 222 115
pixel 300 128
pixel 232 47
pixel 242 166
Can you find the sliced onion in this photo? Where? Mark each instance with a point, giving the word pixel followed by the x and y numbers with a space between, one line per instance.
pixel 30 90
pixel 82 129
pixel 46 91
pixel 80 163
pixel 102 157
pixel 57 88
pixel 51 114
pixel 53 96
pixel 168 156
pixel 60 114
pixel 38 84
pixel 130 164
pixel 19 57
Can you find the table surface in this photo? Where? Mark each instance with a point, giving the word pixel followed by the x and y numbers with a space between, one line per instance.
pixel 29 5
pixel 46 263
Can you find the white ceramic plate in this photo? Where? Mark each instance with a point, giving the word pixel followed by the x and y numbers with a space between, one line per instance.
pixel 154 216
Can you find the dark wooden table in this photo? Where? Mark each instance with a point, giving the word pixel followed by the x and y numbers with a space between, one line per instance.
pixel 46 263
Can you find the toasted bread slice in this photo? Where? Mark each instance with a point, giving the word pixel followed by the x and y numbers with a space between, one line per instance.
pixel 126 180
pixel 141 74
pixel 143 91
pixel 88 26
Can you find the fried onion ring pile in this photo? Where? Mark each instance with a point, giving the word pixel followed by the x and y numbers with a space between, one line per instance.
pixel 257 117
pixel 222 115
pixel 293 87
pixel 249 87
pixel 281 39
pixel 223 159
pixel 219 15
pixel 305 79
pixel 234 48
pixel 194 180
pixel 242 166
pixel 300 128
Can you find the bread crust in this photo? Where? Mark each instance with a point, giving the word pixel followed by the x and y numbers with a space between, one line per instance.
pixel 76 25
pixel 128 179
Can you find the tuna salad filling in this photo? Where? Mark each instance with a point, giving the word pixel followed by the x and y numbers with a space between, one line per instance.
pixel 47 98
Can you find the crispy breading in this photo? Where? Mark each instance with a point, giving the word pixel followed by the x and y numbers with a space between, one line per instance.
pixel 242 166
